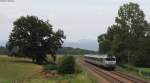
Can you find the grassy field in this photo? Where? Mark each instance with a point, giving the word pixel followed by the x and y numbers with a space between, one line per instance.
pixel 74 78
pixel 17 69
pixel 20 70
pixel 131 70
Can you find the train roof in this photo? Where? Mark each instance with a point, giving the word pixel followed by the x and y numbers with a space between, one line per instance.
pixel 98 56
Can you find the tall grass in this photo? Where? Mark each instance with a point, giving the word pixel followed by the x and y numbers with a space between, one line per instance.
pixel 16 69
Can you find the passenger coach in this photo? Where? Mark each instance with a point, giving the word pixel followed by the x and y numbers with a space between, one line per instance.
pixel 101 60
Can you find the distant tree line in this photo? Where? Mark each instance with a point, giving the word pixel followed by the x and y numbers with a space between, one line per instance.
pixel 74 51
pixel 63 51
pixel 128 38
pixel 3 50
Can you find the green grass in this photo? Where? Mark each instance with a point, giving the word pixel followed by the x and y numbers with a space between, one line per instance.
pixel 16 69
pixel 22 70
pixel 72 78
pixel 145 69
pixel 131 70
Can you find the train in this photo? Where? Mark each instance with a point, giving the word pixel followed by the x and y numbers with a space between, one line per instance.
pixel 105 61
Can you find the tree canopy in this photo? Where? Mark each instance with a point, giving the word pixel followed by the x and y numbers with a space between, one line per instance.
pixel 33 38
pixel 128 37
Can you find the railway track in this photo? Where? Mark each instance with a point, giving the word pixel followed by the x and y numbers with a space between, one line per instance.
pixel 112 76
pixel 133 79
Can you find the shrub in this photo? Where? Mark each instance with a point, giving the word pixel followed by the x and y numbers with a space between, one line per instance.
pixel 66 65
pixel 78 69
pixel 145 73
pixel 50 67
pixel 131 68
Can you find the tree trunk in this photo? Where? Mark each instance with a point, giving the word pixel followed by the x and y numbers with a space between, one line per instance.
pixel 54 57
pixel 41 58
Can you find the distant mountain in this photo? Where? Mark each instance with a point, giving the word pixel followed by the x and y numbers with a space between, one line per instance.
pixel 83 44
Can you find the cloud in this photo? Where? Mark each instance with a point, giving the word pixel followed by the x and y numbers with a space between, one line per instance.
pixel 5 25
pixel 80 19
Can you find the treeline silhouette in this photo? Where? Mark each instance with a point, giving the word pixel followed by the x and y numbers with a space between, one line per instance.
pixel 74 51
pixel 64 51
pixel 3 50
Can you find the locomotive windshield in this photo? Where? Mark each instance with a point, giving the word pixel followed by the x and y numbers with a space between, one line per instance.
pixel 110 59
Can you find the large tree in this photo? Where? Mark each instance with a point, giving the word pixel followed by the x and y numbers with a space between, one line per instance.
pixel 131 21
pixel 128 36
pixel 104 44
pixel 34 38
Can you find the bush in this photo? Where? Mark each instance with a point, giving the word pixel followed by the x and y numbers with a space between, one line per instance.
pixel 145 73
pixel 50 67
pixel 78 69
pixel 66 65
pixel 131 68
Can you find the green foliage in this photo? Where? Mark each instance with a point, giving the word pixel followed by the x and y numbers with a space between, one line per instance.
pixel 145 73
pixel 78 69
pixel 67 65
pixel 131 68
pixel 74 51
pixel 139 71
pixel 104 44
pixel 34 38
pixel 128 39
pixel 60 62
pixel 50 67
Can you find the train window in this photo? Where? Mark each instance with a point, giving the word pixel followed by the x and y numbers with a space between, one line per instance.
pixel 110 59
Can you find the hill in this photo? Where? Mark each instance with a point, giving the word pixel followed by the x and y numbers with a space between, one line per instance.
pixel 83 44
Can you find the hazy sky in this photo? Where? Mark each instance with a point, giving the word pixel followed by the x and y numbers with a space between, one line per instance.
pixel 80 19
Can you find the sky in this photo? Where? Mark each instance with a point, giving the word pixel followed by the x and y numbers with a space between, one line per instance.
pixel 79 19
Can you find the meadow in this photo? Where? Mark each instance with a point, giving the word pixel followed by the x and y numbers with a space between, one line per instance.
pixel 17 69
pixel 20 70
